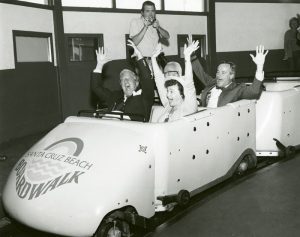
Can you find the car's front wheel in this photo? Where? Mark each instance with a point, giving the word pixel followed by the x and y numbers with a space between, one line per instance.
pixel 246 163
pixel 113 228
pixel 109 229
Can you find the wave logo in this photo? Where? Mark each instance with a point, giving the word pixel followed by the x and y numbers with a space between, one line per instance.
pixel 73 144
pixel 44 165
pixel 45 170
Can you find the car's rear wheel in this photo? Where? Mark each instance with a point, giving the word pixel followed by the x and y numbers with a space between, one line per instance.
pixel 183 198
pixel 290 152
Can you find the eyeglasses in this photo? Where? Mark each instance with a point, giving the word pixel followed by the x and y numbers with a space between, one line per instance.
pixel 171 73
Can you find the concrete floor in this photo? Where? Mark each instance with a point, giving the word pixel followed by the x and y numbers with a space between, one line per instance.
pixel 264 203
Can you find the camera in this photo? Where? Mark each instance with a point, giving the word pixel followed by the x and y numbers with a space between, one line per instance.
pixel 151 19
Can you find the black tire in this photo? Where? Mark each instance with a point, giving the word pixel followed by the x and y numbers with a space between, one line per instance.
pixel 244 165
pixel 109 229
pixel 183 198
pixel 290 152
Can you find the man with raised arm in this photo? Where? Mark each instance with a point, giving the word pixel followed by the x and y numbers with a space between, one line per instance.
pixel 223 89
pixel 137 94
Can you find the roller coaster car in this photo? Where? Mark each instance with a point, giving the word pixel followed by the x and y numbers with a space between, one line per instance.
pixel 277 120
pixel 92 176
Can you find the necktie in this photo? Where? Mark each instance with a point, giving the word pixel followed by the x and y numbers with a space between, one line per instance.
pixel 167 119
pixel 208 97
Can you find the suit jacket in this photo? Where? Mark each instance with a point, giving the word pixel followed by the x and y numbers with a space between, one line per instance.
pixel 136 104
pixel 232 93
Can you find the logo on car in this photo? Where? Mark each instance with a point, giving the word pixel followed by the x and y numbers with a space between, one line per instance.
pixel 42 171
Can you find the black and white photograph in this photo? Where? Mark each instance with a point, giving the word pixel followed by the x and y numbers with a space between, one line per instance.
pixel 161 118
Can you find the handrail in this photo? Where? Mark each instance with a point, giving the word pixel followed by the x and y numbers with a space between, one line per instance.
pixel 104 113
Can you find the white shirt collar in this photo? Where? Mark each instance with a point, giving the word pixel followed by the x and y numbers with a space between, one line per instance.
pixel 135 93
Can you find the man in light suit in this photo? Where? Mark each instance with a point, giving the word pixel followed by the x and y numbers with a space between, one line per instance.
pixel 223 89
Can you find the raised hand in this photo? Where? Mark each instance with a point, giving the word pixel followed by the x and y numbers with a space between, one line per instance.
pixel 101 59
pixel 260 56
pixel 189 39
pixel 137 53
pixel 188 50
pixel 156 24
pixel 158 49
pixel 147 22
pixel 101 56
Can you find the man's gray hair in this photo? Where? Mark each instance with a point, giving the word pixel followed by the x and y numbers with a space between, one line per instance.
pixel 135 77
pixel 176 65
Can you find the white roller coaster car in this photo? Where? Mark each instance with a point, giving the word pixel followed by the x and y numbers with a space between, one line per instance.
pixel 92 176
pixel 278 116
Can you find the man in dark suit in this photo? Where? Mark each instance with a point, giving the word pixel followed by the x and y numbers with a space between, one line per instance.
pixel 223 89
pixel 130 99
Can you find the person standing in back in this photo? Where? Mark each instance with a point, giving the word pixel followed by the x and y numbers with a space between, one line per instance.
pixel 146 31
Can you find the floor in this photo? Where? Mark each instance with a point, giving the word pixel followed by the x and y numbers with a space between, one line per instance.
pixel 261 204
pixel 264 203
